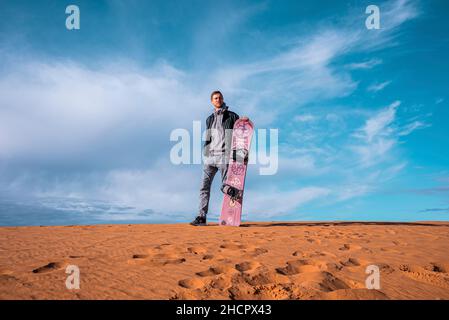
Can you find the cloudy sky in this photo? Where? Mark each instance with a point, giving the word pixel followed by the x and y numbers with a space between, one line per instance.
pixel 86 115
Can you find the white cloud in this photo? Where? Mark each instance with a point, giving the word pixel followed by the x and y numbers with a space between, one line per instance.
pixel 378 125
pixel 399 12
pixel 305 118
pixel 62 109
pixel 439 100
pixel 299 76
pixel 409 128
pixel 369 64
pixel 378 86
pixel 380 134
pixel 372 181
pixel 299 166
pixel 304 73
pixel 289 149
pixel 374 152
pixel 274 202
pixel 378 137
pixel 352 191
pixel 165 189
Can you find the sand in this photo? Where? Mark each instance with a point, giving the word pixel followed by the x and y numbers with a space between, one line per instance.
pixel 304 260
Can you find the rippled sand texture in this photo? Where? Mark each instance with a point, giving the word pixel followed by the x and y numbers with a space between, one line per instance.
pixel 307 260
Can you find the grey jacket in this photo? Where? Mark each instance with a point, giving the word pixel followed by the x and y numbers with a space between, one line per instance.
pixel 228 120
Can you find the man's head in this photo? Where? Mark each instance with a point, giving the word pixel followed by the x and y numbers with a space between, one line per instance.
pixel 217 99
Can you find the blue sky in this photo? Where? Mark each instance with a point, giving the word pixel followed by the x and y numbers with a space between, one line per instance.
pixel 86 115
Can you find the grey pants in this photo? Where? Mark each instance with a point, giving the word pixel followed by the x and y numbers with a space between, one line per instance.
pixel 210 168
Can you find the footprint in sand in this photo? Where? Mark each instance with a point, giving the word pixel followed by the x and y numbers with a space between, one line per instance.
pixel 437 267
pixel 418 273
pixel 246 271
pixel 328 282
pixel 390 250
pixel 233 246
pixel 348 246
pixel 252 280
pixel 384 267
pixel 221 282
pixel 257 278
pixel 164 259
pixel 321 281
pixel 216 270
pixel 331 266
pixel 166 248
pixel 354 262
pixel 6 276
pixel 158 259
pixel 247 266
pixel 138 258
pixel 195 289
pixel 308 254
pixel 52 266
pixel 270 291
pixel 397 243
pixel 351 262
pixel 300 266
pixel 222 277
pixel 248 250
pixel 192 283
pixel 160 247
pixel 258 251
pixel 207 257
pixel 351 294
pixel 197 250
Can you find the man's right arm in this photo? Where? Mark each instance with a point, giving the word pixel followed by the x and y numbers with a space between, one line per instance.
pixel 207 138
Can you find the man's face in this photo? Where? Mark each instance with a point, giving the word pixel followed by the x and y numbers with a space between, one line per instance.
pixel 217 100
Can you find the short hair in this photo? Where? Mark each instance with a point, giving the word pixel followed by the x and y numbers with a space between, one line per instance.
pixel 216 92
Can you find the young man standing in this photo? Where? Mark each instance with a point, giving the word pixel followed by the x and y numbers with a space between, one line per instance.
pixel 217 146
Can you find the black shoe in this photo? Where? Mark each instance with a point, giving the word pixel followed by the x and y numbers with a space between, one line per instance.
pixel 199 221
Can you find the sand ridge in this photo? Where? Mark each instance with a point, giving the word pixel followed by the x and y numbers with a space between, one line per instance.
pixel 277 260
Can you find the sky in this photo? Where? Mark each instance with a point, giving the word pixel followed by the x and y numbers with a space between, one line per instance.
pixel 362 114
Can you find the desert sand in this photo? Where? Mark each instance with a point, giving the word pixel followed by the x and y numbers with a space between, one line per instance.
pixel 277 260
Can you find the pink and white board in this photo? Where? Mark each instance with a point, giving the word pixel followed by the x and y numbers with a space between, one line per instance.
pixel 231 211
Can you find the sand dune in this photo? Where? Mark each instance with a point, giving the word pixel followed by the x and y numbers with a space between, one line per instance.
pixel 303 260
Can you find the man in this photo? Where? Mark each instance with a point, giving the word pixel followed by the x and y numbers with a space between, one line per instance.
pixel 217 147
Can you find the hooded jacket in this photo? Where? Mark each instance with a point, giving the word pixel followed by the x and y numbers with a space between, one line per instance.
pixel 228 120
